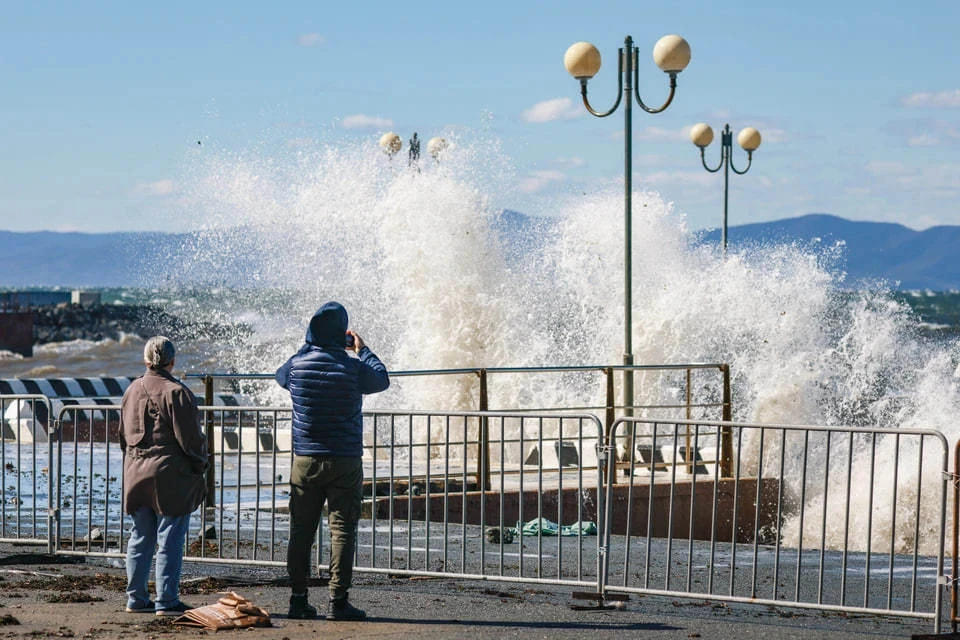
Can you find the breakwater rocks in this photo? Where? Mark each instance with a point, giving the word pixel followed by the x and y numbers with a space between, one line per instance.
pixel 63 322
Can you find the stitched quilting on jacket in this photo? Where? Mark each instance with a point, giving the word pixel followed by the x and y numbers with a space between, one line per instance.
pixel 327 386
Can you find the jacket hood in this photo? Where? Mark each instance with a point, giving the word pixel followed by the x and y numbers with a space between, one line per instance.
pixel 328 326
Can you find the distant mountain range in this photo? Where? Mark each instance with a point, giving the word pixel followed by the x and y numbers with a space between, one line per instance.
pixel 903 258
pixel 69 259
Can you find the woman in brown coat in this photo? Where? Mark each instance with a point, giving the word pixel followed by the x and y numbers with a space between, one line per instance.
pixel 164 458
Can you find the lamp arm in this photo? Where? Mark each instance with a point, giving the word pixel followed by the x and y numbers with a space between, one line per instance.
pixel 749 162
pixel 586 102
pixel 636 92
pixel 703 161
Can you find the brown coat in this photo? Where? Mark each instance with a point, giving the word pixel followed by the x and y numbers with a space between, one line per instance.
pixel 164 448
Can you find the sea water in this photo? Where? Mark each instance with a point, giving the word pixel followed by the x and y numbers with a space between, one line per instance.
pixel 434 276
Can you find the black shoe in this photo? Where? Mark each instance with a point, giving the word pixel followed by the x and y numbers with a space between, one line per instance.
pixel 300 609
pixel 340 609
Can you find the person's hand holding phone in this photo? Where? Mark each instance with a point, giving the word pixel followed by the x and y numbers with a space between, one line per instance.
pixel 354 341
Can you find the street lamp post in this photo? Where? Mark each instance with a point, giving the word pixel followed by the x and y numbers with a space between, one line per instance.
pixel 702 135
pixel 582 60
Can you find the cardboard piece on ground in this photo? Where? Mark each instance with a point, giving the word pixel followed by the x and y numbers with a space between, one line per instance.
pixel 232 611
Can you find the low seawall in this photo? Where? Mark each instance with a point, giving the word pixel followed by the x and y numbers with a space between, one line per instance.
pixel 25 417
pixel 713 503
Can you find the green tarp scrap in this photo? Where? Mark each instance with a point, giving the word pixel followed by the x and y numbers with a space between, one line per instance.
pixel 544 527
pixel 540 527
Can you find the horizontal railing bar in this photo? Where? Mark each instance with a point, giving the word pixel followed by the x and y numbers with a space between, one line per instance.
pixel 436 372
pixel 792 604
pixel 789 427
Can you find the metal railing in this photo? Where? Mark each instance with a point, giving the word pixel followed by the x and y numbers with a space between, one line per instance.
pixel 26 461
pixel 425 513
pixel 836 519
pixel 712 400
pixel 429 517
pixel 828 518
pixel 718 400
pixel 955 540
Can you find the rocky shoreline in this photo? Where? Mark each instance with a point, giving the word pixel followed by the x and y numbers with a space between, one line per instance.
pixel 64 322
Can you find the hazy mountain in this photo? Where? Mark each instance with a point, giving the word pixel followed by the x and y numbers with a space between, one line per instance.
pixel 50 258
pixel 904 258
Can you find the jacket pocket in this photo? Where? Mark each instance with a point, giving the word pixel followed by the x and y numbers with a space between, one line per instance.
pixel 134 430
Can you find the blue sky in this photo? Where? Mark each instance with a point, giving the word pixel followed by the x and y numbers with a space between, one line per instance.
pixel 858 102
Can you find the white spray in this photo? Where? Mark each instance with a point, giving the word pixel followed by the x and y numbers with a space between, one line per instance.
pixel 420 261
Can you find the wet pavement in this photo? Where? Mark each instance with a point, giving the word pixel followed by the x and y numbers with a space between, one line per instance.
pixel 42 595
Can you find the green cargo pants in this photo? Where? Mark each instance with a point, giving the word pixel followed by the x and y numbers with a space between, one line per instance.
pixel 313 481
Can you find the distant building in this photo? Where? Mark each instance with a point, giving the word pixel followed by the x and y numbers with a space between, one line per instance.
pixel 16 332
pixel 27 299
pixel 85 298
pixel 17 316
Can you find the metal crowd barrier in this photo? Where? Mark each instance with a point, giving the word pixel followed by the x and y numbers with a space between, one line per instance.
pixel 871 541
pixel 429 515
pixel 426 510
pixel 26 460
pixel 756 537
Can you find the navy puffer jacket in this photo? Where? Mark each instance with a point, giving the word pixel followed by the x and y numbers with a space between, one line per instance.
pixel 327 385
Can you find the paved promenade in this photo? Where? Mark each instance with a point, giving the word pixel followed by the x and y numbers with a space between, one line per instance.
pixel 44 596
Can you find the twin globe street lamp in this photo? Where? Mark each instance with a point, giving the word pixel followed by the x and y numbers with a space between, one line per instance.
pixel 702 135
pixel 391 144
pixel 582 60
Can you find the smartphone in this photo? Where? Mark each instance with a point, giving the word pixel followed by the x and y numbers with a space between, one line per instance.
pixel 349 340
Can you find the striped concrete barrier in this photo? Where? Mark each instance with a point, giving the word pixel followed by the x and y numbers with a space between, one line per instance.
pixel 26 419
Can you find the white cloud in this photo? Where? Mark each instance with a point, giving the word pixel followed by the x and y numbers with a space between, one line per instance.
pixel 940 180
pixel 765 182
pixel 685 178
pixel 650 159
pixel 360 121
pixel 539 180
pixel 661 135
pixel 310 40
pixel 571 162
pixel 158 188
pixel 923 140
pixel 929 133
pixel 945 177
pixel 942 100
pixel 886 169
pixel 550 110
pixel 771 135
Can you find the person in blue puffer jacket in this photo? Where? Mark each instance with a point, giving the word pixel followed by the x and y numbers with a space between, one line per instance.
pixel 327 385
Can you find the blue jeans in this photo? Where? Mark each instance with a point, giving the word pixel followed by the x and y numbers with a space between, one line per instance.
pixel 150 530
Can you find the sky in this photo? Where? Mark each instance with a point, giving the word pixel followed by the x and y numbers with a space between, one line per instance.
pixel 106 104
